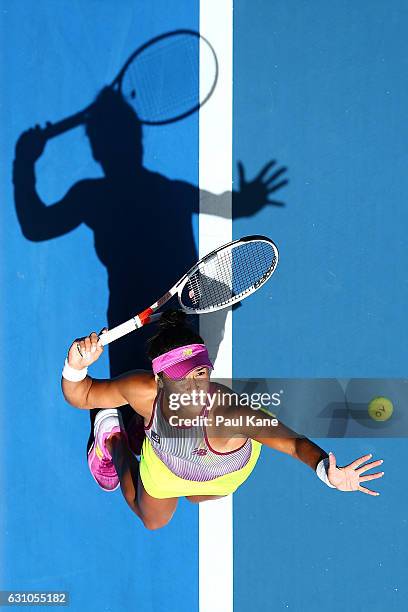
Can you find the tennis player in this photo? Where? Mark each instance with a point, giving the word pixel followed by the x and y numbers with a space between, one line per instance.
pixel 182 456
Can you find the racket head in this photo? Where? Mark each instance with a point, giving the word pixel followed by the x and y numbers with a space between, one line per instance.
pixel 169 77
pixel 228 275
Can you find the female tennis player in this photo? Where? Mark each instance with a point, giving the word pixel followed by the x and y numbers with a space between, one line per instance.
pixel 194 452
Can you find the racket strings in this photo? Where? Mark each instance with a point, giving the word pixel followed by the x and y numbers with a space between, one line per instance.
pixel 164 81
pixel 229 275
pixel 254 262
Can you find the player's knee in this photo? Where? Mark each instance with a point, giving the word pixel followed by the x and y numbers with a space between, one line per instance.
pixel 153 523
pixel 193 499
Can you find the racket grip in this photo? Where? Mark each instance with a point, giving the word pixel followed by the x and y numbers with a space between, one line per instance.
pixel 119 331
pixel 55 129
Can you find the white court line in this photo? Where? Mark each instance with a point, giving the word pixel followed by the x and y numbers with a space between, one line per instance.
pixel 215 175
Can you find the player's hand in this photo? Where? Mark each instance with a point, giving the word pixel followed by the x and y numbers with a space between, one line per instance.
pixel 349 477
pixel 85 351
pixel 31 144
pixel 254 195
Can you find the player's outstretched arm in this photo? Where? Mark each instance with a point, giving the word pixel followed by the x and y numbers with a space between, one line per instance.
pixel 268 430
pixel 80 390
pixel 237 420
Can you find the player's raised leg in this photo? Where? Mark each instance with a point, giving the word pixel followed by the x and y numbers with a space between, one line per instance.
pixel 112 464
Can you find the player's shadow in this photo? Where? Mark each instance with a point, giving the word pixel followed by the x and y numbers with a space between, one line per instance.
pixel 141 220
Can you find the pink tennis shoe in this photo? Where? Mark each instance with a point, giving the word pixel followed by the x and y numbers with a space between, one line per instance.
pixel 100 461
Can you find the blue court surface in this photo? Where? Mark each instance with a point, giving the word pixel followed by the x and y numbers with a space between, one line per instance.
pixel 321 88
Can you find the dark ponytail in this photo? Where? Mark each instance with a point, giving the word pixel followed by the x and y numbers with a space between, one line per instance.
pixel 172 333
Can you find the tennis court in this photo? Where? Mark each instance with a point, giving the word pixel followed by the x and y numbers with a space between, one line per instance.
pixel 321 89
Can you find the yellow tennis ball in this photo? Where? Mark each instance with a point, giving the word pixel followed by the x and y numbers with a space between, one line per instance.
pixel 380 408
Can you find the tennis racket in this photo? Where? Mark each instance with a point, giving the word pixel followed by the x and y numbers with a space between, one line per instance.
pixel 222 278
pixel 164 80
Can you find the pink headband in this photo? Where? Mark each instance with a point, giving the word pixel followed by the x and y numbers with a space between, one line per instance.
pixel 179 362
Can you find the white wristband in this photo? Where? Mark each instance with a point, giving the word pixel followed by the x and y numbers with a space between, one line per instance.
pixel 321 471
pixel 70 373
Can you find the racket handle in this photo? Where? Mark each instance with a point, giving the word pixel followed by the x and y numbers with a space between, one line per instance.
pixel 125 328
pixel 55 129
pixel 120 330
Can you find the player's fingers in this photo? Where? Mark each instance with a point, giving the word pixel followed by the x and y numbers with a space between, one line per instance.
pixel 276 187
pixel 265 169
pixel 276 175
pixel 332 461
pixel 275 203
pixel 355 464
pixel 371 476
pixel 368 491
pixel 94 342
pixel 241 173
pixel 87 346
pixel 103 331
pixel 80 345
pixel 368 466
